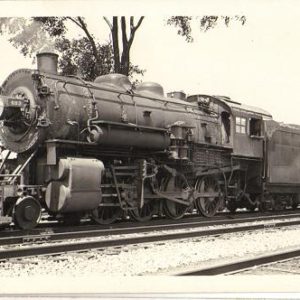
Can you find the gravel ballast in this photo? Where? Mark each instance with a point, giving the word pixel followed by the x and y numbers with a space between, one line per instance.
pixel 158 258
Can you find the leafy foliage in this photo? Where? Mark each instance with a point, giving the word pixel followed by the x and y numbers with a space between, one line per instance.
pixel 133 71
pixel 29 37
pixel 184 26
pixel 84 56
pixel 209 22
pixel 183 23
pixel 55 26
pixel 77 58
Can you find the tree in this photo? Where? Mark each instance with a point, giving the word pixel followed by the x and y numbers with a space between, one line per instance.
pixel 84 55
pixel 183 23
pixel 122 61
pixel 77 58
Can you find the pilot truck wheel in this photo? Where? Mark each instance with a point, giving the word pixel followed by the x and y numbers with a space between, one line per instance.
pixel 27 212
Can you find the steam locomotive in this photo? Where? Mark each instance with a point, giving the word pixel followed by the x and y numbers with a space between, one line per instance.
pixel 104 150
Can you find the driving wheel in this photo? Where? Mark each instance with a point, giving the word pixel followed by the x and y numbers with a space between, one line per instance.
pixel 208 204
pixel 105 215
pixel 145 213
pixel 175 185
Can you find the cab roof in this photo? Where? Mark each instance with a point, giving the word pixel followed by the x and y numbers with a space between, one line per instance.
pixel 238 107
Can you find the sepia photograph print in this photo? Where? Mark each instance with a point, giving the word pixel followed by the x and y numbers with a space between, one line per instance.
pixel 150 149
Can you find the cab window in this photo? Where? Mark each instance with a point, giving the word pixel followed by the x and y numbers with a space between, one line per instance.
pixel 240 125
pixel 255 127
pixel 225 127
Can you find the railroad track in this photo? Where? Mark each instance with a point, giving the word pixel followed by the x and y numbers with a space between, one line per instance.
pixel 239 266
pixel 49 234
pixel 72 246
pixel 221 217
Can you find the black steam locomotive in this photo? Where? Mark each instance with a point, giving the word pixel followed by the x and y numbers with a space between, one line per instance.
pixel 104 150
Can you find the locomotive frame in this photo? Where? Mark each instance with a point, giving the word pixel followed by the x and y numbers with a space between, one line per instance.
pixel 104 150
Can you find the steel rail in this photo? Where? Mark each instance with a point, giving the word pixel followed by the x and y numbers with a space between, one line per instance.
pixel 43 236
pixel 87 245
pixel 243 265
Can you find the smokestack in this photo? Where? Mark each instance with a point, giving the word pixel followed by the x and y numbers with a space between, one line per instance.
pixel 47 62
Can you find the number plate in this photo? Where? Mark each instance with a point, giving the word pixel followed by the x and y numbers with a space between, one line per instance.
pixel 15 102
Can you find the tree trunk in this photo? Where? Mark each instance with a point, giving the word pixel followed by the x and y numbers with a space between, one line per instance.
pixel 126 48
pixel 122 65
pixel 125 61
pixel 115 40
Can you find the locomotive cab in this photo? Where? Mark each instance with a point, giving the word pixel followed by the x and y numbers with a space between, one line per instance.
pixel 248 133
pixel 219 133
pixel 241 127
pixel 247 125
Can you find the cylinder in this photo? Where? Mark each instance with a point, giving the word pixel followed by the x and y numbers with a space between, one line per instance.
pixel 47 62
pixel 77 187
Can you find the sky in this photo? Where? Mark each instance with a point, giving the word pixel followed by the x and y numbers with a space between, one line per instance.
pixel 257 64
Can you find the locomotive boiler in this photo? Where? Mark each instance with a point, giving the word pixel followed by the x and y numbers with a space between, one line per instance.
pixel 105 150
